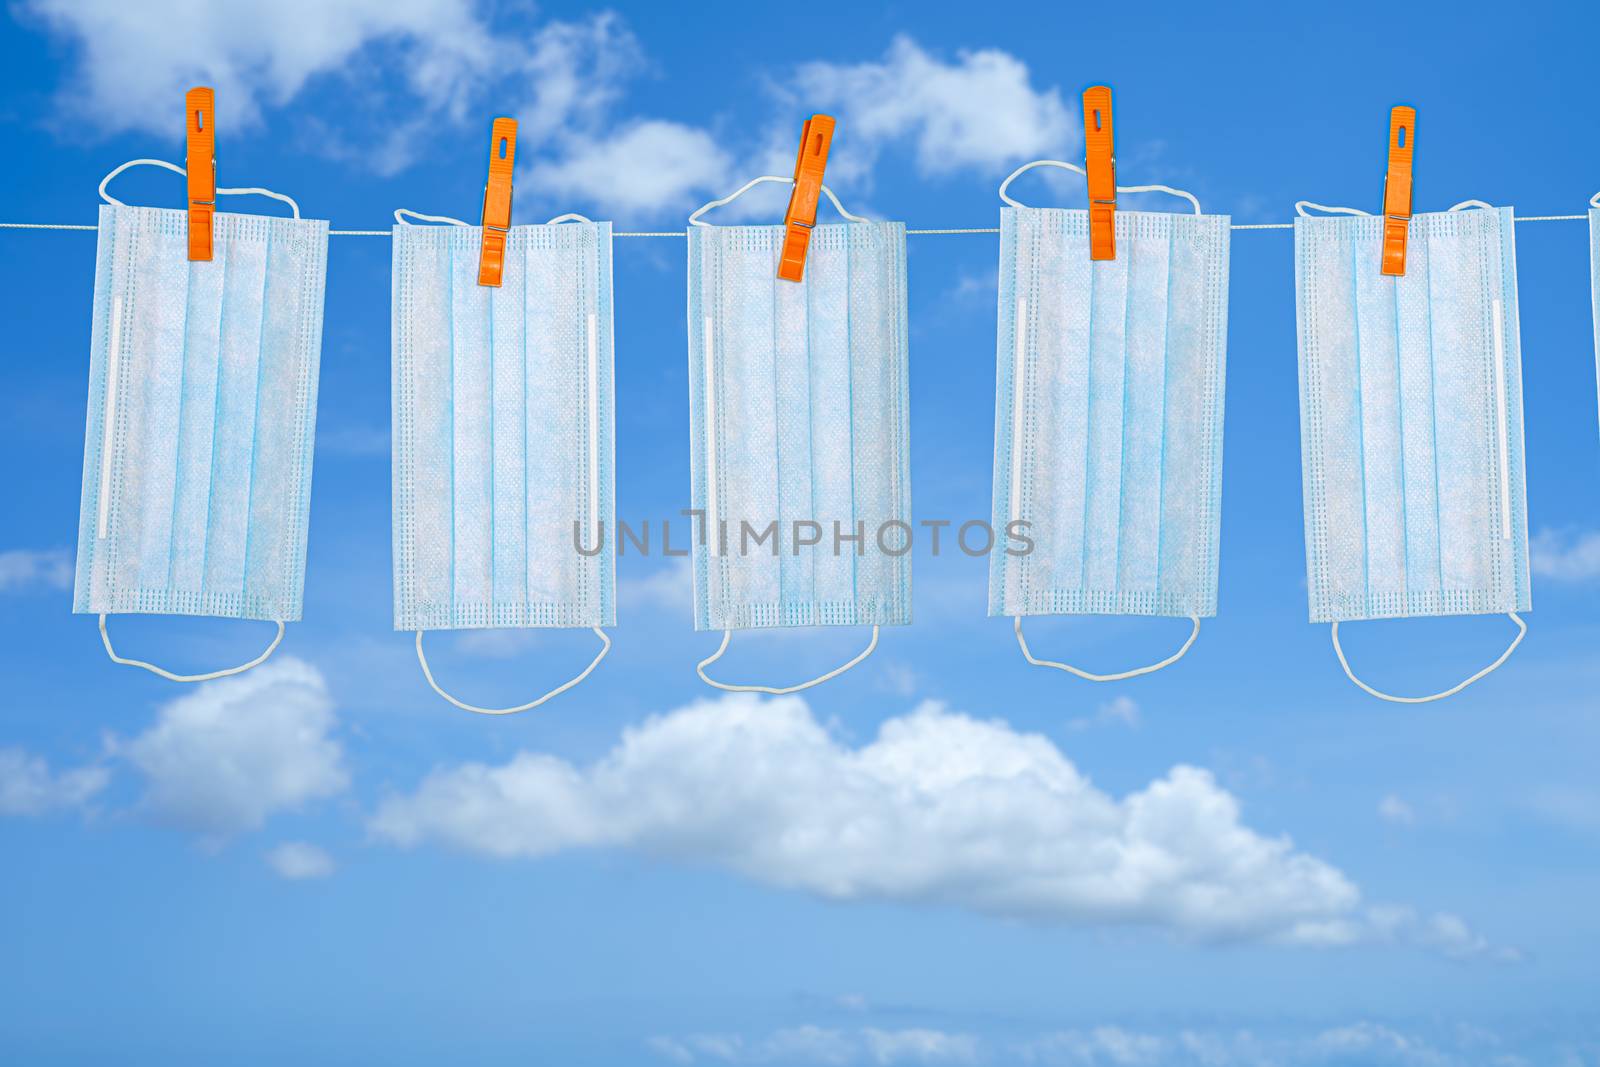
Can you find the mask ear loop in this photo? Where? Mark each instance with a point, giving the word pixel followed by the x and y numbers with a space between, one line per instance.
pixel 250 190
pixel 1522 631
pixel 1016 626
pixel 1303 208
pixel 700 669
pixel 1594 201
pixel 1014 175
pixel 105 639
pixel 605 647
pixel 694 219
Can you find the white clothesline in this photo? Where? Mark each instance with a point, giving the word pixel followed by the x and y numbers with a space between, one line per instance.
pixel 681 233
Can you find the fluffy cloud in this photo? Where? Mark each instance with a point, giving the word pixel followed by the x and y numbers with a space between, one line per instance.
pixel 26 568
pixel 1565 555
pixel 405 67
pixel 299 860
pixel 1371 1044
pixel 980 112
pixel 813 1045
pixel 939 808
pixel 225 757
pixel 643 168
pixel 136 60
pixel 28 787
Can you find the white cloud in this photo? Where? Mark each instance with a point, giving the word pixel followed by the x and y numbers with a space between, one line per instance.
pixel 1370 1043
pixel 225 757
pixel 1392 809
pixel 299 860
pixel 645 167
pixel 407 66
pixel 135 61
pixel 26 568
pixel 669 587
pixel 939 808
pixel 1565 555
pixel 813 1045
pixel 1111 1045
pixel 28 787
pixel 1119 711
pixel 920 1045
pixel 980 112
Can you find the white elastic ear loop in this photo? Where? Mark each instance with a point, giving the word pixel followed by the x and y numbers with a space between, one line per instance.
pixel 605 646
pixel 402 217
pixel 694 219
pixel 1074 167
pixel 1300 208
pixel 251 190
pixel 1016 625
pixel 105 639
pixel 1303 208
pixel 1522 631
pixel 700 669
pixel 1594 201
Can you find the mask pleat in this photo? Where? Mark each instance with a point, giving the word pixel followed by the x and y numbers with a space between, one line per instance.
pixel 1380 434
pixel 279 387
pixel 424 509
pixel 508 443
pixel 1145 417
pixel 154 364
pixel 1419 508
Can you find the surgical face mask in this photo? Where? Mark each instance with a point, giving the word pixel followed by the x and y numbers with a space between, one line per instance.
pixel 1411 421
pixel 202 414
pixel 1108 416
pixel 798 422
pixel 503 433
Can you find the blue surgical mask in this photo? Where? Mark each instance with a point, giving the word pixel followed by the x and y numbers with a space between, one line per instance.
pixel 1411 421
pixel 1108 416
pixel 202 414
pixel 798 415
pixel 503 434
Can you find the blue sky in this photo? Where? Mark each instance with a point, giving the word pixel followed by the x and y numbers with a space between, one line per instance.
pixel 322 860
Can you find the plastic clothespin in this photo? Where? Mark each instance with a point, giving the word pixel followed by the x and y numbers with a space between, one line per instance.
pixel 816 137
pixel 1100 162
pixel 497 201
pixel 200 166
pixel 1397 189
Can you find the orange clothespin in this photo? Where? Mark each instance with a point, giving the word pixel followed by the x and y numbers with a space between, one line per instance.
pixel 816 137
pixel 200 165
pixel 497 201
pixel 1397 189
pixel 1100 161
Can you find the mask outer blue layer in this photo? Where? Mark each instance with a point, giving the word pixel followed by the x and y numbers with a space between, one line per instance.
pixel 798 413
pixel 503 430
pixel 1108 414
pixel 202 416
pixel 1411 418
